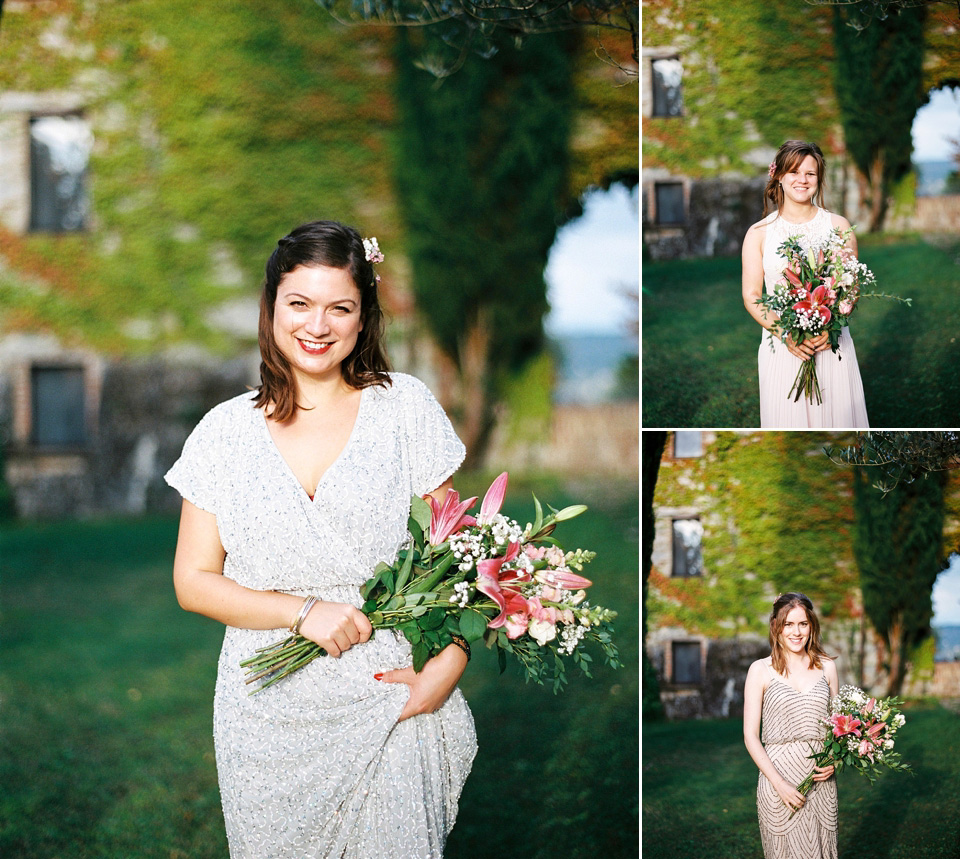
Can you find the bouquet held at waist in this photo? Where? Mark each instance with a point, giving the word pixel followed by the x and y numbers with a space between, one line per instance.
pixel 860 734
pixel 475 578
pixel 818 292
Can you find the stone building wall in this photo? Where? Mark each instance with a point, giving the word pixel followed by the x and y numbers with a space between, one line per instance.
pixel 144 411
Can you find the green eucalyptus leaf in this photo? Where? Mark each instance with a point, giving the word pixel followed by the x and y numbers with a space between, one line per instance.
pixel 420 512
pixel 434 618
pixel 421 653
pixel 472 625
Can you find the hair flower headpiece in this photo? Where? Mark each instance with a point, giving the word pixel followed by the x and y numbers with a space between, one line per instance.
pixel 372 250
pixel 773 169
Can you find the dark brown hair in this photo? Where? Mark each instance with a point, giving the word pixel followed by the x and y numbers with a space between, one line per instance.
pixel 331 244
pixel 778 617
pixel 788 157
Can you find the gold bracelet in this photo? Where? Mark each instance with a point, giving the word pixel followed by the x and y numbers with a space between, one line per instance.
pixel 462 643
pixel 308 604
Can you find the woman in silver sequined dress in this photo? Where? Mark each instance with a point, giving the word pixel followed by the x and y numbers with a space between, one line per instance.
pixel 298 490
pixel 789 693
pixel 795 192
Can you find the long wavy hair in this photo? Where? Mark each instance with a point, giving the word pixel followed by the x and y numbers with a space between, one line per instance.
pixel 778 617
pixel 335 245
pixel 788 157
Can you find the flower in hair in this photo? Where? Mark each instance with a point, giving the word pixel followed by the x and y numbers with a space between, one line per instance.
pixel 372 250
pixel 773 169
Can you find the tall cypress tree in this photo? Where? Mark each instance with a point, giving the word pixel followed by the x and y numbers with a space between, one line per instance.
pixel 879 87
pixel 652 445
pixel 897 544
pixel 481 174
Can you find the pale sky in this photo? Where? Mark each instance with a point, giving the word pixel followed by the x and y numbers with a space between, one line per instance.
pixel 934 124
pixel 594 260
pixel 946 595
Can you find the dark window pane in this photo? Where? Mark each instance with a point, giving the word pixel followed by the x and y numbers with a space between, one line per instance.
pixel 687 443
pixel 687 560
pixel 667 91
pixel 58 406
pixel 669 202
pixel 686 662
pixel 60 149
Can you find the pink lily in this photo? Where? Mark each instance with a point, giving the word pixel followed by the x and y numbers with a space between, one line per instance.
pixel 493 500
pixel 868 707
pixel 448 518
pixel 844 724
pixel 491 578
pixel 866 749
pixel 562 579
pixel 816 303
pixel 876 729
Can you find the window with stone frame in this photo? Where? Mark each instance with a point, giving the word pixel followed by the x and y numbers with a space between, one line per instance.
pixel 687 444
pixel 685 663
pixel 670 209
pixel 667 80
pixel 687 555
pixel 58 397
pixel 60 147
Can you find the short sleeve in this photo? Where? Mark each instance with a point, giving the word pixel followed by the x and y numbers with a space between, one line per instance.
pixel 436 450
pixel 195 475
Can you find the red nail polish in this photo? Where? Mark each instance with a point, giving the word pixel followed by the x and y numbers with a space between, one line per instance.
pixel 378 677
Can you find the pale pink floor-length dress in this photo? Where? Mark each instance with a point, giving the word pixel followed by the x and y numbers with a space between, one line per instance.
pixel 843 403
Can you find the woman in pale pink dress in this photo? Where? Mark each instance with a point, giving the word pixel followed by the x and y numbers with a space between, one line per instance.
pixel 795 191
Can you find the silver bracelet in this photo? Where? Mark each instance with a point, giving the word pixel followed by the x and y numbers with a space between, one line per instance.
pixel 308 604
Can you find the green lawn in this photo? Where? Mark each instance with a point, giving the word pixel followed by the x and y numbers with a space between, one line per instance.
pixel 699 794
pixel 700 346
pixel 106 691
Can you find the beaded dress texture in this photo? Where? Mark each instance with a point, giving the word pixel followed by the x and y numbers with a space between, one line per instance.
pixel 317 765
pixel 839 375
pixel 791 731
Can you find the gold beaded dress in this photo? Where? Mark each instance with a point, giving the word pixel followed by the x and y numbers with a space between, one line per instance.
pixel 791 730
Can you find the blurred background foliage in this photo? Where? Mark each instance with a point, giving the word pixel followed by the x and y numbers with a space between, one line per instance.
pixel 219 127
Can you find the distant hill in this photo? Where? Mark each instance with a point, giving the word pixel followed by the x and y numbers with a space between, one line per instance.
pixel 932 176
pixel 948 643
pixel 587 365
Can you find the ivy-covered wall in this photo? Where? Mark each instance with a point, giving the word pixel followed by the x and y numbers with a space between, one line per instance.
pixel 218 127
pixel 777 516
pixel 754 74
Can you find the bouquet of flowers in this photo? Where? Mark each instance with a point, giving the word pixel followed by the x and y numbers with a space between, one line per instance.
pixel 817 292
pixel 860 735
pixel 483 577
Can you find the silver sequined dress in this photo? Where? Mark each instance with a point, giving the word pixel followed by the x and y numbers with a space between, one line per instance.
pixel 317 765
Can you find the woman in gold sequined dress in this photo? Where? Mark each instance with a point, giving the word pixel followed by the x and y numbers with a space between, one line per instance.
pixel 788 694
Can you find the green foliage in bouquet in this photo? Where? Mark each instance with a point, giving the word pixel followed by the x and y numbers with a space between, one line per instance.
pixel 476 578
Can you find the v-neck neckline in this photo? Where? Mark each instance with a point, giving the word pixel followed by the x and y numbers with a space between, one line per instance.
pixel 794 688
pixel 290 472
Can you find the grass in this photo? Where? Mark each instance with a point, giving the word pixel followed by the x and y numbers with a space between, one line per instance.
pixel 106 694
pixel 699 790
pixel 700 346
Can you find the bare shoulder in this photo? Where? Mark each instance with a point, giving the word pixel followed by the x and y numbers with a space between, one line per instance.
pixel 754 237
pixel 758 670
pixel 829 666
pixel 839 221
